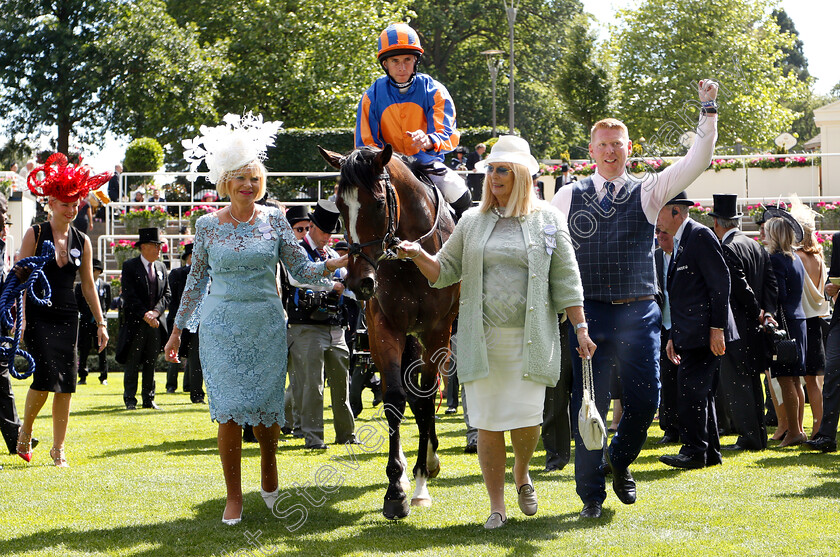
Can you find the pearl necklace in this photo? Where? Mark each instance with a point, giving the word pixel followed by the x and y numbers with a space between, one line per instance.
pixel 230 212
pixel 500 211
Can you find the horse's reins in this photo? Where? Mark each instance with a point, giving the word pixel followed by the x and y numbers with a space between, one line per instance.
pixel 391 240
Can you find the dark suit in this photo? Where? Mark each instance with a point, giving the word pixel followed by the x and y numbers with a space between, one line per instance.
pixel 139 344
pixel 698 288
pixel 9 421
pixel 177 281
pixel 88 333
pixel 474 181
pixel 753 288
pixel 831 386
pixel 667 369
pixel 114 187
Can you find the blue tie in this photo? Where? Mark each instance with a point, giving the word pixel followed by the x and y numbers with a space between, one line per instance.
pixel 606 202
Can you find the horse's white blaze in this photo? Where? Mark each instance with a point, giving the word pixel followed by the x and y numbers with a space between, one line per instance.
pixel 351 199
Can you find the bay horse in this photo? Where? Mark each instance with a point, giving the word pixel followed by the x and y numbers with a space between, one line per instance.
pixel 382 200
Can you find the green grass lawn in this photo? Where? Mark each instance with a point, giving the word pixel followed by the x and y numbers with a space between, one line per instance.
pixel 149 483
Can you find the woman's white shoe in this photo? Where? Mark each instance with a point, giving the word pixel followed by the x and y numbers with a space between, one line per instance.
pixel 270 497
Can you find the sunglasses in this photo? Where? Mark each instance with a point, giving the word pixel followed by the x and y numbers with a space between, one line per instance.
pixel 300 228
pixel 500 170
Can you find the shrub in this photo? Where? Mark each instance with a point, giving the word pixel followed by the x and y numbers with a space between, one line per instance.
pixel 144 154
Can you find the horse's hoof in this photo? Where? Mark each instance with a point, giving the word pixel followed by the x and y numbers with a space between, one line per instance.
pixel 421 502
pixel 396 510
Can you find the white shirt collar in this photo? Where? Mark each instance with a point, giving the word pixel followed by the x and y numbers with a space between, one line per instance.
pixel 145 262
pixel 599 181
pixel 678 235
pixel 729 233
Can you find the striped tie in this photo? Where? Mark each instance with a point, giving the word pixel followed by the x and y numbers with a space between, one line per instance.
pixel 607 201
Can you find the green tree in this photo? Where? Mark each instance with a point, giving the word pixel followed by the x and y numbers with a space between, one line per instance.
pixel 306 63
pixel 664 46
pixel 86 66
pixel 794 59
pixel 582 83
pixel 455 32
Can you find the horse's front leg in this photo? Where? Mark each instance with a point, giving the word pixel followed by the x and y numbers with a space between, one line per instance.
pixel 386 349
pixel 426 388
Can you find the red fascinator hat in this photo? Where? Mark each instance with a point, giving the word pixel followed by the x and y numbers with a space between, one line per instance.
pixel 65 182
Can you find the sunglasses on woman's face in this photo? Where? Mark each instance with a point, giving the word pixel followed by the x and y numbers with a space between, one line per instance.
pixel 301 229
pixel 500 170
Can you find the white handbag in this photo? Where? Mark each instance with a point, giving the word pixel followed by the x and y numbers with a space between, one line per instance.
pixel 590 424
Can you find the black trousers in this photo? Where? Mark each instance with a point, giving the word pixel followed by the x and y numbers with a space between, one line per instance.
pixel 88 339
pixel 831 385
pixel 697 378
pixel 743 396
pixel 194 371
pixel 143 351
pixel 9 422
pixel 668 421
pixel 557 425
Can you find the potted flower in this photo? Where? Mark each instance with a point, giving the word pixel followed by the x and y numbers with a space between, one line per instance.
pixel 584 169
pixel 830 213
pixel 153 217
pixel 825 241
pixel 123 250
pixel 701 214
pixel 197 212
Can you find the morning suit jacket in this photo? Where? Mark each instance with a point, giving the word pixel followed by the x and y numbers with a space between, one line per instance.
pixel 658 258
pixel 753 288
pixel 698 288
pixel 136 302
pixel 177 282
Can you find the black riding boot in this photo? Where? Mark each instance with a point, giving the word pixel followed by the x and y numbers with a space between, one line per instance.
pixel 461 204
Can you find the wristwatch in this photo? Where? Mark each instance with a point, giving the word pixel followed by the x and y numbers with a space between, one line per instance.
pixel 581 325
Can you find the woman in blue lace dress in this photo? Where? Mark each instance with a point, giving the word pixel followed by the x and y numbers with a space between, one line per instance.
pixel 242 326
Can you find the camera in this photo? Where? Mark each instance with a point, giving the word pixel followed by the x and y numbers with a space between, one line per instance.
pixel 774 332
pixel 320 305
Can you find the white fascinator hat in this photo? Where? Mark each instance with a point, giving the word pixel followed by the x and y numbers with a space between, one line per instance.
pixel 230 146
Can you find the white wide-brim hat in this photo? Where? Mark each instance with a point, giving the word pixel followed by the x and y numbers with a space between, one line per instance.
pixel 512 149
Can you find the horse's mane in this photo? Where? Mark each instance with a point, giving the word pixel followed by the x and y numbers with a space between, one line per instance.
pixel 356 170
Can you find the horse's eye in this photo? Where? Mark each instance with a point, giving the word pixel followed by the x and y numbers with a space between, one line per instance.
pixel 380 203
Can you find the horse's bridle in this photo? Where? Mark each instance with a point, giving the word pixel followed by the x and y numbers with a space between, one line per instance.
pixel 390 240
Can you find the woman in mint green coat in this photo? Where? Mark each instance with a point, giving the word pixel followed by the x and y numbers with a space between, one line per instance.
pixel 517 268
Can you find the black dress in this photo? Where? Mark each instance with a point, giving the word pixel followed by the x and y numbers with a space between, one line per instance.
pixel 52 331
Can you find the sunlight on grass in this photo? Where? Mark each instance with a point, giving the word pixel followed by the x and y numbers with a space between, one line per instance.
pixel 149 483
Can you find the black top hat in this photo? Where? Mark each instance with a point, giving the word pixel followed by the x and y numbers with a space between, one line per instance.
pixel 771 212
pixel 187 250
pixel 297 213
pixel 681 199
pixel 97 265
pixel 725 206
pixel 341 245
pixel 564 167
pixel 325 216
pixel 148 236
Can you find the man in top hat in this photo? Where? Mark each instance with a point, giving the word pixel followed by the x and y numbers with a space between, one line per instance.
pixel 298 217
pixel 752 299
pixel 193 376
pixel 145 295
pixel 87 324
pixel 317 347
pixel 698 291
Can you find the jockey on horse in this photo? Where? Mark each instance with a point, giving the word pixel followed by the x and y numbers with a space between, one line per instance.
pixel 412 112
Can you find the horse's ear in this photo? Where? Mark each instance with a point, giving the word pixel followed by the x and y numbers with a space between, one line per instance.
pixel 331 157
pixel 384 156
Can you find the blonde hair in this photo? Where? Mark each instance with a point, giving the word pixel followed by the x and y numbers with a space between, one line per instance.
pixel 254 168
pixel 810 244
pixel 779 235
pixel 608 124
pixel 523 198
